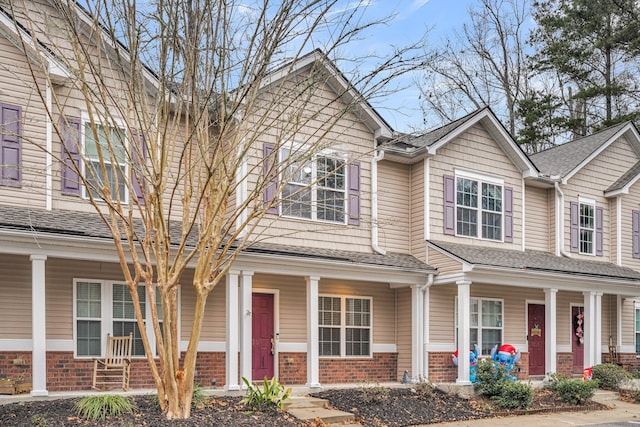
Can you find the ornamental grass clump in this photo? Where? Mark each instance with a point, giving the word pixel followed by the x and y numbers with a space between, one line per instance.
pixel 99 407
pixel 271 395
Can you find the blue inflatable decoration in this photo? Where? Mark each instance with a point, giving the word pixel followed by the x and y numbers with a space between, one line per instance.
pixel 506 356
pixel 473 362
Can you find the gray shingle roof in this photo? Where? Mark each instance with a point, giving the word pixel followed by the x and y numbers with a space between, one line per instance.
pixel 431 137
pixel 536 260
pixel 82 224
pixel 562 159
pixel 625 179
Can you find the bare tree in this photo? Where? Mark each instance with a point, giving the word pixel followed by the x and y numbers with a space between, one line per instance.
pixel 484 65
pixel 178 95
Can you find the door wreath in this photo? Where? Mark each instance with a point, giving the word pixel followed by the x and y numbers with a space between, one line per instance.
pixel 578 327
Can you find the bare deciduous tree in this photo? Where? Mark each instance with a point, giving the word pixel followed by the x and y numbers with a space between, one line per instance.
pixel 176 97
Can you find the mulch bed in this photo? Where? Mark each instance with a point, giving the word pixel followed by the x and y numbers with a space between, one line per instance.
pixel 381 407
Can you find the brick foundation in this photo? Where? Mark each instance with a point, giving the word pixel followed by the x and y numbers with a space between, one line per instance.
pixel 442 369
pixel 292 368
pixel 19 370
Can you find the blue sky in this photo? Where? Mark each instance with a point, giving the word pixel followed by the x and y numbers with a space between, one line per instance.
pixel 411 21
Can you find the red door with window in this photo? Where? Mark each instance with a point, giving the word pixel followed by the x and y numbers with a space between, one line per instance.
pixel 263 346
pixel 536 332
pixel 577 338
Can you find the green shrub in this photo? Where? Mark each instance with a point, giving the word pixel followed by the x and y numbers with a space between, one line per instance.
pixel 199 397
pixel 610 376
pixel 101 406
pixel 272 394
pixel 515 395
pixel 575 392
pixel 374 393
pixel 490 378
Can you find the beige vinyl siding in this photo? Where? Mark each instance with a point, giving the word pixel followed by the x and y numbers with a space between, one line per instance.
pixel 17 88
pixel 628 321
pixel 609 319
pixel 393 206
pixel 537 226
pixel 214 327
pixel 473 151
pixel 418 245
pixel 383 304
pixel 445 264
pixel 629 203
pixel 441 309
pixel 326 124
pixel 403 336
pixel 564 303
pixel 15 304
pixel 590 182
pixel 551 204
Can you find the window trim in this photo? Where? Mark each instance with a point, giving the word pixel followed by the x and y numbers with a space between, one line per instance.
pixel 119 124
pixel 480 179
pixel 106 320
pixel 314 187
pixel 592 203
pixel 479 328
pixel 343 326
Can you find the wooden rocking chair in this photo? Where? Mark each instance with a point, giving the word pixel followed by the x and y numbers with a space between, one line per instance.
pixel 614 357
pixel 114 369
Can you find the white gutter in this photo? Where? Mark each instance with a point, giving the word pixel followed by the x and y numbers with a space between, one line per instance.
pixel 374 202
pixel 619 230
pixel 425 326
pixel 49 144
pixel 560 222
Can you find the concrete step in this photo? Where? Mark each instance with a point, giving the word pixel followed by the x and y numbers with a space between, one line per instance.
pixel 605 395
pixel 329 416
pixel 304 402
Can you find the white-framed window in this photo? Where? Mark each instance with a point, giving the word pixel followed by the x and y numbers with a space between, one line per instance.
pixel 479 206
pixel 637 329
pixel 316 187
pixel 587 226
pixel 104 307
pixel 486 323
pixel 112 143
pixel 344 326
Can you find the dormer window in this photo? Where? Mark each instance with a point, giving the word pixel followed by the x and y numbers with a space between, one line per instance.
pixel 479 209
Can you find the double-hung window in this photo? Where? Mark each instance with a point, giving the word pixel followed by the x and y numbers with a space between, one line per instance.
pixel 486 325
pixel 105 307
pixel 587 212
pixel 316 187
pixel 479 207
pixel 345 326
pixel 111 146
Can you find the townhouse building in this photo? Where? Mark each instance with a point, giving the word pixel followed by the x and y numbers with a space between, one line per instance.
pixel 432 243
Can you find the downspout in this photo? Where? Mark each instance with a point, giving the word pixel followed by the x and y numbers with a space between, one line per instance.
pixel 560 222
pixel 374 202
pixel 49 147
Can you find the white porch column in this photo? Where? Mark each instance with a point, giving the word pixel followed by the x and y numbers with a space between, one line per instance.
pixel 313 350
pixel 231 382
pixel 246 286
pixel 38 327
pixel 416 331
pixel 597 356
pixel 589 328
pixel 425 330
pixel 551 327
pixel 464 336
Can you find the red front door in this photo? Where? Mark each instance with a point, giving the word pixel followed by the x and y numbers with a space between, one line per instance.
pixel 577 338
pixel 535 333
pixel 262 331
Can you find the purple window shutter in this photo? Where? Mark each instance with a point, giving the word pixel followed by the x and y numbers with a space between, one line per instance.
pixel 137 175
pixel 635 233
pixel 354 193
pixel 71 155
pixel 508 214
pixel 270 172
pixel 599 234
pixel 449 204
pixel 10 145
pixel 575 243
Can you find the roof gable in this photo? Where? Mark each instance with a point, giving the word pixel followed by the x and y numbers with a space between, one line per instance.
pixel 428 144
pixel 565 160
